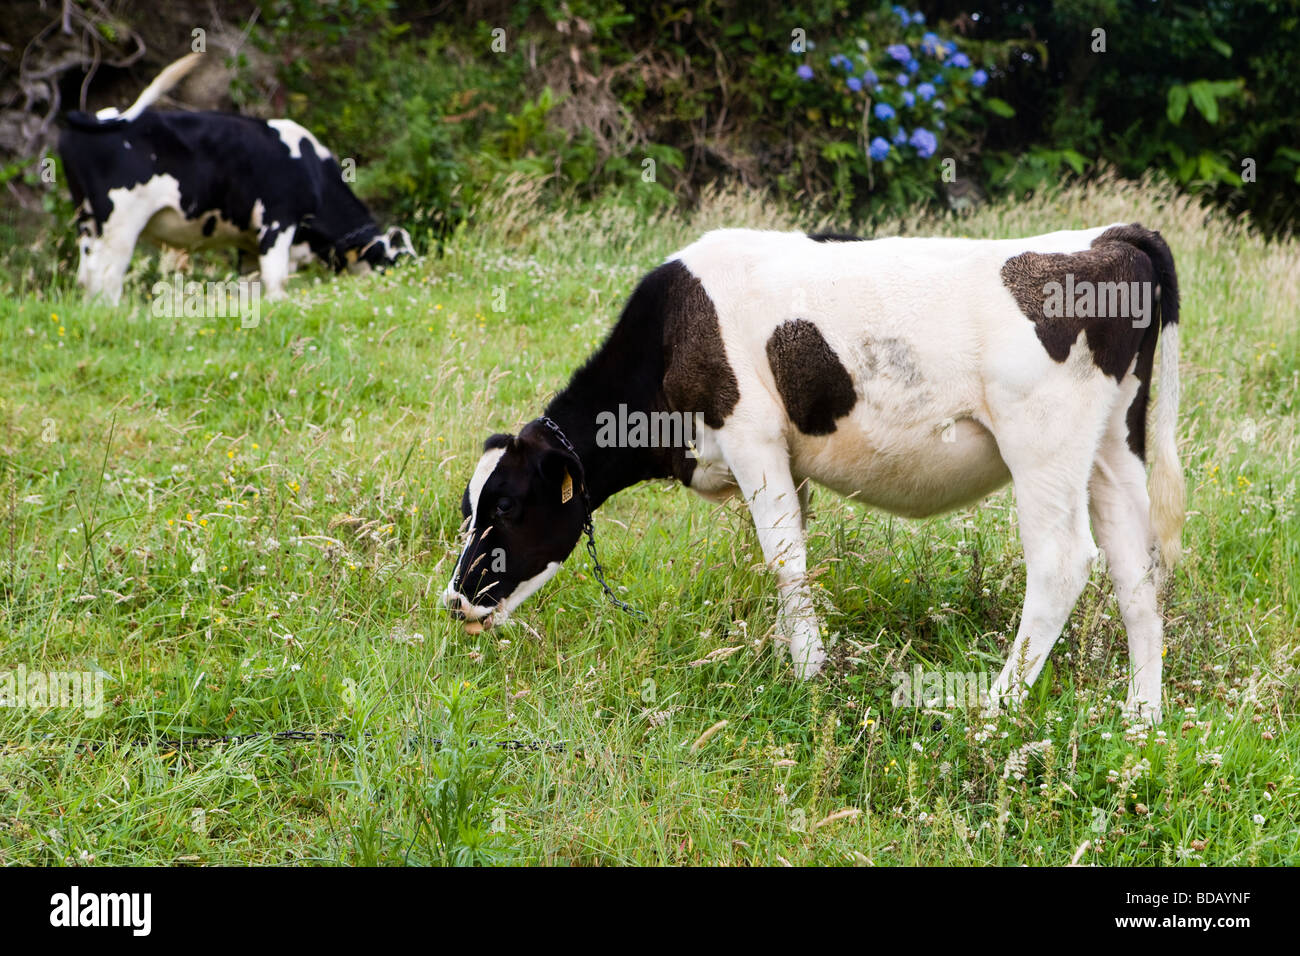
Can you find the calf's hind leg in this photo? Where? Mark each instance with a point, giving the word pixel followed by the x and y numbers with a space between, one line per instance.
pixel 1051 485
pixel 1122 521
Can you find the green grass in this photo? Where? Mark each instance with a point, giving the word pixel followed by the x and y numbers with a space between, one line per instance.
pixel 247 529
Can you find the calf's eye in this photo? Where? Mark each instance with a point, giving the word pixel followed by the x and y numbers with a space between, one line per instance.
pixel 505 506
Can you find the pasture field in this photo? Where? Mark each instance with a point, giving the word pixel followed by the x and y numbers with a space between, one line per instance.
pixel 247 529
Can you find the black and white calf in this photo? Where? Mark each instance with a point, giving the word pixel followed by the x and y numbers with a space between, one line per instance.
pixel 916 375
pixel 211 180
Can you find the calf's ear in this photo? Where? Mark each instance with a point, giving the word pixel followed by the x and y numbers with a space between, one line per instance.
pixel 561 475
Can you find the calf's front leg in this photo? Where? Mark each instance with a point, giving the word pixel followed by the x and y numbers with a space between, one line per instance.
pixel 274 260
pixel 763 475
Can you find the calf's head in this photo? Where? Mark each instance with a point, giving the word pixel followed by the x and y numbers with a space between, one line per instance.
pixel 381 252
pixel 524 513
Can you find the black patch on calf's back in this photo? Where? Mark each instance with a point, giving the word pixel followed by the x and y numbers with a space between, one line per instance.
pixel 1113 340
pixel 1127 254
pixel 698 378
pixel 834 237
pixel 812 382
pixel 210 225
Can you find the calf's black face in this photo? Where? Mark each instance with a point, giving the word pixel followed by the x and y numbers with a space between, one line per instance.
pixel 524 514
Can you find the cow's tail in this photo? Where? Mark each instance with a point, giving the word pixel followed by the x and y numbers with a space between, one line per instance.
pixel 1165 486
pixel 110 118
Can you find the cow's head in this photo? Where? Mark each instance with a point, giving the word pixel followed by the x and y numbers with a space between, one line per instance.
pixel 524 512
pixel 384 250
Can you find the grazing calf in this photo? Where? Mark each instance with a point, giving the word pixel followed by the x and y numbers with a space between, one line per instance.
pixel 210 180
pixel 915 375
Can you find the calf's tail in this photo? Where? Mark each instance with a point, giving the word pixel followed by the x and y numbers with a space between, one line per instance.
pixel 1165 486
pixel 110 118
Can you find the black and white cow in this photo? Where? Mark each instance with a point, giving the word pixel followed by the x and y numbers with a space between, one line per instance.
pixel 209 180
pixel 916 375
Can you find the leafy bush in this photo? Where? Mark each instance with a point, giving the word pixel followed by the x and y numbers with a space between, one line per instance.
pixel 889 105
pixel 585 92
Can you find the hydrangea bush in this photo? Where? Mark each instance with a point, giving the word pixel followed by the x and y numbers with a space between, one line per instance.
pixel 891 104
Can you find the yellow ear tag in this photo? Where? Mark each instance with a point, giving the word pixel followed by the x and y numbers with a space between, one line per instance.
pixel 566 489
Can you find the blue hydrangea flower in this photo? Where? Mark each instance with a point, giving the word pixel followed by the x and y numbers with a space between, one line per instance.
pixel 870 78
pixel 941 124
pixel 938 79
pixel 878 149
pixel 884 112
pixel 950 46
pixel 900 138
pixel 903 16
pixel 804 72
pixel 924 142
pixel 959 60
pixel 979 78
pixel 913 66
pixel 930 44
pixel 940 106
pixel 909 99
pixel 918 17
pixel 902 79
pixel 854 84
pixel 899 51
pixel 925 91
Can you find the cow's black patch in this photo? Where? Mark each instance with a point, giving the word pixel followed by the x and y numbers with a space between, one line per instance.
pixel 665 354
pixel 1122 254
pixel 834 237
pixel 812 382
pixel 210 225
pixel 697 376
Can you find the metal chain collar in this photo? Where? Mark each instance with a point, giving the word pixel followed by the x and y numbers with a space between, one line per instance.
pixel 588 525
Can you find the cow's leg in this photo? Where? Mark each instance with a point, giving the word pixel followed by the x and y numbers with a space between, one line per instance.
pixel 274 251
pixel 762 471
pixel 90 247
pixel 1122 522
pixel 106 257
pixel 1050 464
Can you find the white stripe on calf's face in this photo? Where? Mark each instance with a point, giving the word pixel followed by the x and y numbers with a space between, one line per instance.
pixel 482 472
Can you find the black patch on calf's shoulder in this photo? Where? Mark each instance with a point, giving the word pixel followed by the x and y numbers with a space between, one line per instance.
pixel 812 382
pixel 698 378
pixel 210 225
pixel 499 440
